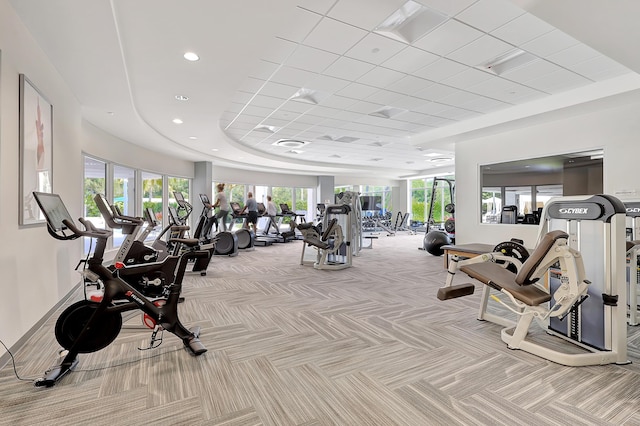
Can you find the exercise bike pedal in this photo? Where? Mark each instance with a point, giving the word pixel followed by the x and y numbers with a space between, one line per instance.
pixel 193 344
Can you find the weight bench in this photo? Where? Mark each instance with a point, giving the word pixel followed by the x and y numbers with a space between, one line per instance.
pixel 526 297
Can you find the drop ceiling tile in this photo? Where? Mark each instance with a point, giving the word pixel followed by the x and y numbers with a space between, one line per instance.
pixel 608 73
pixel 325 111
pixel 435 92
pixel 278 50
pixel 299 107
pixel 263 70
pixel 441 69
pixel 448 37
pixel 573 55
pixel 366 14
pixel 498 88
pixel 431 108
pixel 327 83
pixel 267 101
pixel 364 107
pixel 415 117
pixel 468 78
pixel 409 60
pixel 549 43
pixel 332 125
pixel 559 81
pixel 319 6
pixel 485 105
pixel 310 59
pixel 348 68
pixel 299 25
pixel 281 114
pixel 487 15
pixel 407 102
pixel 278 90
pixel 334 36
pixel 459 98
pixel 599 68
pixel 375 49
pixel 257 111
pixel 480 51
pixel 405 125
pixel 384 97
pixel 381 77
pixel 530 71
pixel 309 119
pixel 278 123
pixel 522 29
pixel 337 102
pixel 448 7
pixel 458 114
pixel 409 85
pixel 290 78
pixel 297 126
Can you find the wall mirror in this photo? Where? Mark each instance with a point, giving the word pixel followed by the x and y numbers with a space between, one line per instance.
pixel 516 191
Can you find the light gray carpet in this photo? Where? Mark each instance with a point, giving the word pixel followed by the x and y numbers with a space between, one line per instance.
pixel 290 345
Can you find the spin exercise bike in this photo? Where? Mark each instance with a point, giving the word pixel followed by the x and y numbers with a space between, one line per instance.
pixel 89 326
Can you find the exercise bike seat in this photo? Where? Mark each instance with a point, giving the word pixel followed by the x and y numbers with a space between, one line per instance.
pixel 189 242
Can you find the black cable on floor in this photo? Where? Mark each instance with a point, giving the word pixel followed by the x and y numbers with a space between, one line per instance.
pixel 13 361
pixel 126 363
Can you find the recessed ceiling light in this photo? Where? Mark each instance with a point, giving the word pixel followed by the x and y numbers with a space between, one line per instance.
pixel 182 97
pixel 410 22
pixel 214 149
pixel 111 113
pixel 177 121
pixel 193 138
pixel 346 139
pixel 295 151
pixel 290 143
pixel 431 154
pixel 508 61
pixel 266 129
pixel 440 159
pixel 306 95
pixel 387 112
pixel 190 56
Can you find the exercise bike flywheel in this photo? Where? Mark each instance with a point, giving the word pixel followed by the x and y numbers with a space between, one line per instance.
pixel 73 320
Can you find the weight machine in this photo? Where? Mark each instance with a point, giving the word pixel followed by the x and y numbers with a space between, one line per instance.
pixel 572 284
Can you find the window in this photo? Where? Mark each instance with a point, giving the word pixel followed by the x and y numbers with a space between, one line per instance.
pixel 303 199
pixel 419 209
pixel 95 178
pixel 152 198
pixel 176 184
pixel 124 185
pixel 236 193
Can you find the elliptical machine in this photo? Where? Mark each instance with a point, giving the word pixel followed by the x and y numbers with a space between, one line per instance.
pixel 88 326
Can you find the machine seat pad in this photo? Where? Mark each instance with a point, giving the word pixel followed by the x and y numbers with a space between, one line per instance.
pixel 497 277
pixel 317 242
pixel 190 242
pixel 306 225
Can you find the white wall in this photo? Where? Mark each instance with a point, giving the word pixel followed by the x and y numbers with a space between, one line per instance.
pixel 614 129
pixel 229 175
pixel 37 270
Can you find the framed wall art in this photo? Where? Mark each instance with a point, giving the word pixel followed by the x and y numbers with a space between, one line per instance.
pixel 36 149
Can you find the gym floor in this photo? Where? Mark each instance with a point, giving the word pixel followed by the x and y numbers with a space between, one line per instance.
pixel 291 345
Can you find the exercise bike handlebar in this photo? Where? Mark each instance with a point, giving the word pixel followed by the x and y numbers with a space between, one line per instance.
pixel 113 218
pixel 90 230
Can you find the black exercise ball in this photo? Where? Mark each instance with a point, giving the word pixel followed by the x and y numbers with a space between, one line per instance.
pixel 433 242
